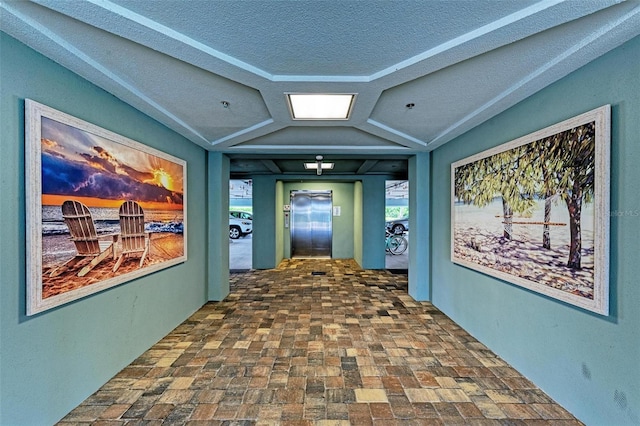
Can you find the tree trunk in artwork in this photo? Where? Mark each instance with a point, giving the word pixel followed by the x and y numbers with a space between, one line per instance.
pixel 574 204
pixel 546 238
pixel 508 219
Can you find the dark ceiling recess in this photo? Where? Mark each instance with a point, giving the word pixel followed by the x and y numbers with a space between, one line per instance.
pixel 246 166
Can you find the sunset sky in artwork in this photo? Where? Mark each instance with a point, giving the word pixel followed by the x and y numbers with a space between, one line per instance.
pixel 102 173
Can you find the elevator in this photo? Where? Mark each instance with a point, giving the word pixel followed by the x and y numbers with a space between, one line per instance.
pixel 311 226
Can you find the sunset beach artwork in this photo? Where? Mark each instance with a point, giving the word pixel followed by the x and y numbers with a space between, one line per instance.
pixel 95 171
pixel 535 211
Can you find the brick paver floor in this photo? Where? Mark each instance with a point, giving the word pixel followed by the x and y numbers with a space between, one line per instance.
pixel 319 342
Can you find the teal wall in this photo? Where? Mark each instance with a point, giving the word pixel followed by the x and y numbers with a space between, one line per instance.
pixel 358 232
pixel 587 362
pixel 342 195
pixel 52 361
pixel 280 201
pixel 419 226
pixel 218 220
pixel 373 242
pixel 266 250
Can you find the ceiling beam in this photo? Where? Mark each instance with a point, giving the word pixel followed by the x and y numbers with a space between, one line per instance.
pixel 272 166
pixel 386 132
pixel 366 166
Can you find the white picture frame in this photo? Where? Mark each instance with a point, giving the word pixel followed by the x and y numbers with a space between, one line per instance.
pixel 535 211
pixel 96 171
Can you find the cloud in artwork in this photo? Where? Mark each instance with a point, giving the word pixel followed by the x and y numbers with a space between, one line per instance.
pixel 97 177
pixel 79 163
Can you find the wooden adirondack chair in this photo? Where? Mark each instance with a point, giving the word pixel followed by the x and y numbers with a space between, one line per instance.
pixel 83 234
pixel 132 235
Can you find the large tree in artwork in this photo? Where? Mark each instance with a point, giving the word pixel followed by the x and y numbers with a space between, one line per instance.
pixel 502 175
pixel 571 171
pixel 547 189
pixel 561 165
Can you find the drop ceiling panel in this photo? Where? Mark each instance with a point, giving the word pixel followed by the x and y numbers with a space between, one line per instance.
pixel 457 92
pixel 324 38
pixel 185 91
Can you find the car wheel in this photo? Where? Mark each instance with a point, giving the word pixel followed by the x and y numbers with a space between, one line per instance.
pixel 397 229
pixel 234 232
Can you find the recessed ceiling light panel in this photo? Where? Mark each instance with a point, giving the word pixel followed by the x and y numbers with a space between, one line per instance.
pixel 321 165
pixel 316 106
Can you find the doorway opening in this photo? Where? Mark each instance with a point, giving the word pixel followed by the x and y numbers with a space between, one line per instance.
pixel 397 225
pixel 240 224
pixel 311 224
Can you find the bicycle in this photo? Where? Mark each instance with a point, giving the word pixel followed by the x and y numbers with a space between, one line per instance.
pixel 395 244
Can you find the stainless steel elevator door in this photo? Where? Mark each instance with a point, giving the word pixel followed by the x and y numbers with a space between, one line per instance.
pixel 311 229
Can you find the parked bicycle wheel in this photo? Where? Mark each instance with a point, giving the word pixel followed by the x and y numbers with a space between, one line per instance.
pixel 398 244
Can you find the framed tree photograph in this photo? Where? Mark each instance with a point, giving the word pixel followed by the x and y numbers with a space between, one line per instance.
pixel 535 211
pixel 101 209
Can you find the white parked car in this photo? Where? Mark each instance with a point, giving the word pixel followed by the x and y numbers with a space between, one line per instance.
pixel 239 227
pixel 241 215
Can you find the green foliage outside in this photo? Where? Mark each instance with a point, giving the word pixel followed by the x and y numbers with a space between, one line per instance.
pixel 396 212
pixel 247 209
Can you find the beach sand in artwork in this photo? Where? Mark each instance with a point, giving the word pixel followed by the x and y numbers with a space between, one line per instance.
pixel 525 259
pixel 57 249
pixel 478 239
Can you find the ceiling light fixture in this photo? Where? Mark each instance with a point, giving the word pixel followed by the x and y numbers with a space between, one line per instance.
pixel 313 106
pixel 318 166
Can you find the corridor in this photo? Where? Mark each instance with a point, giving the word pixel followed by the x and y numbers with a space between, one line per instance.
pixel 319 342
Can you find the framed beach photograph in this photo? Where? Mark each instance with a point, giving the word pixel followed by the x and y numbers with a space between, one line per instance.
pixel 535 211
pixel 101 209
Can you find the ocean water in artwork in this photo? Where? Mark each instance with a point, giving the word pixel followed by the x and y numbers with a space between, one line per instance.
pixel 107 221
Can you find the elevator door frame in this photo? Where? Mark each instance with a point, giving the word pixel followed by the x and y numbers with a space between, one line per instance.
pixel 294 232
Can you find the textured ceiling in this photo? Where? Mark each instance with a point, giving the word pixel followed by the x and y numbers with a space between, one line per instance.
pixel 459 62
